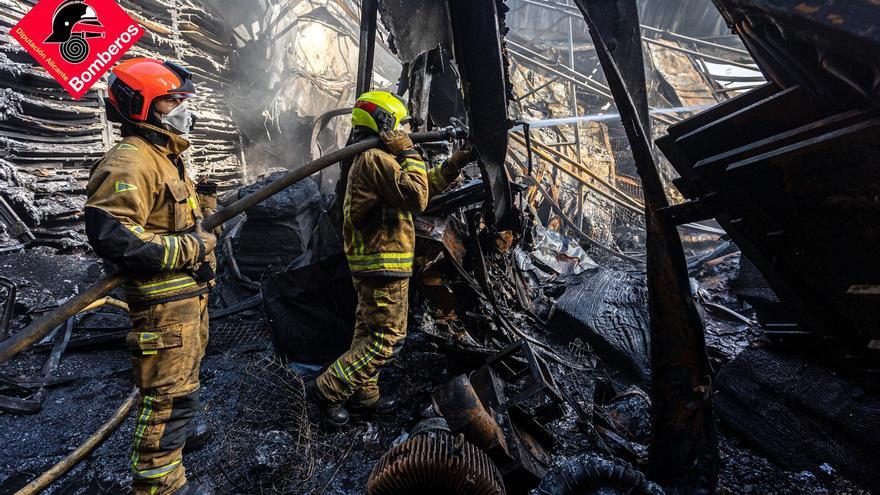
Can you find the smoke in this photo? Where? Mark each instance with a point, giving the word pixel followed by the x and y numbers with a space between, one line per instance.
pixel 294 61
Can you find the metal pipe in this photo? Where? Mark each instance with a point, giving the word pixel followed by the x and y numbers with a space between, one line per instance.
pixel 536 58
pixel 734 90
pixel 578 179
pixel 39 328
pixel 537 88
pixel 577 127
pixel 320 122
pixel 66 464
pixel 574 12
pixel 625 200
pixel 702 55
pixel 730 78
pixel 707 44
pixel 532 57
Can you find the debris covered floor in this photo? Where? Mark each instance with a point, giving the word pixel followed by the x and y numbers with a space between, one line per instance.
pixel 529 350
pixel 267 440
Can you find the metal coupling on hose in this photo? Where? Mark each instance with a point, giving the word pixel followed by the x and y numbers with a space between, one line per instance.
pixel 455 132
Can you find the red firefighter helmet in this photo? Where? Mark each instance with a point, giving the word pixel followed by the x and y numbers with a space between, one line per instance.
pixel 136 82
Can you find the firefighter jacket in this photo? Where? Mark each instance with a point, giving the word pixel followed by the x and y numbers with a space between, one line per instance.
pixel 141 205
pixel 380 198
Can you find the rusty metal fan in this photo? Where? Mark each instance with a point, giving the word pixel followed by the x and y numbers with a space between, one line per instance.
pixel 435 463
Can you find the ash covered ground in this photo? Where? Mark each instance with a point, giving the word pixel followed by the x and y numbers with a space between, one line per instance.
pixel 266 437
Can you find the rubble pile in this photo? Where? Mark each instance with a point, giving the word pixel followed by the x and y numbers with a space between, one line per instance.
pixel 591 416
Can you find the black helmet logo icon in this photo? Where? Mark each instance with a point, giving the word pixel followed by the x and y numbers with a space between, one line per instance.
pixel 73 23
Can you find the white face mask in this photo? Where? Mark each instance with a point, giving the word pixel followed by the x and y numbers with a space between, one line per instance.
pixel 179 120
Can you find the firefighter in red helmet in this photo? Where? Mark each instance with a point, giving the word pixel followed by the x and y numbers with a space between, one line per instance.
pixel 144 214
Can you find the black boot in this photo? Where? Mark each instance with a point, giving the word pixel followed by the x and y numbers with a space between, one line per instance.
pixel 198 432
pixel 384 405
pixel 192 488
pixel 334 412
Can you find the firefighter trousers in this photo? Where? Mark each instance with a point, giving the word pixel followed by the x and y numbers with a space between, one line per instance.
pixel 167 342
pixel 379 332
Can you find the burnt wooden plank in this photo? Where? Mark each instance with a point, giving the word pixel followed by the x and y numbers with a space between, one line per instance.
pixel 776 114
pixel 734 104
pixel 718 163
pixel 801 414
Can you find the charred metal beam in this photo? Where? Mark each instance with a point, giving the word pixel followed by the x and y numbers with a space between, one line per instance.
pixel 8 306
pixel 571 11
pixel 529 56
pixel 538 88
pixel 367 45
pixel 696 41
pixel 829 48
pixel 479 55
pixel 619 24
pixel 684 449
pixel 704 56
pixel 569 222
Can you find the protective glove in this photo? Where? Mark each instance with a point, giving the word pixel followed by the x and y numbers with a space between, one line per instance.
pixel 206 190
pixel 399 144
pixel 461 158
pixel 207 240
pixel 204 272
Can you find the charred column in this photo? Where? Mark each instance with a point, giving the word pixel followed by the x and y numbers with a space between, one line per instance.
pixel 477 32
pixel 684 451
pixel 367 46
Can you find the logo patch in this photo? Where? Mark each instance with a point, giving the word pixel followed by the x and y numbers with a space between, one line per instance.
pixel 77 41
pixel 120 187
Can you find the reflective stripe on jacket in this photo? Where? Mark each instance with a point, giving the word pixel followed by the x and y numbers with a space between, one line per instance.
pixel 140 203
pixel 380 198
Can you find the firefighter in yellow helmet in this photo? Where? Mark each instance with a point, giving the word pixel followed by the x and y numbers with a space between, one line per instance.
pixel 144 214
pixel 384 188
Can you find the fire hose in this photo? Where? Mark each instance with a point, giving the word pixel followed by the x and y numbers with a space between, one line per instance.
pixel 39 328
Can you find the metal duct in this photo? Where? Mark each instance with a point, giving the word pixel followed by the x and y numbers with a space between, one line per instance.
pixel 435 463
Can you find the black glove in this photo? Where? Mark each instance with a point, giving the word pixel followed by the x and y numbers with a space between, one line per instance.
pixel 204 273
pixel 462 157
